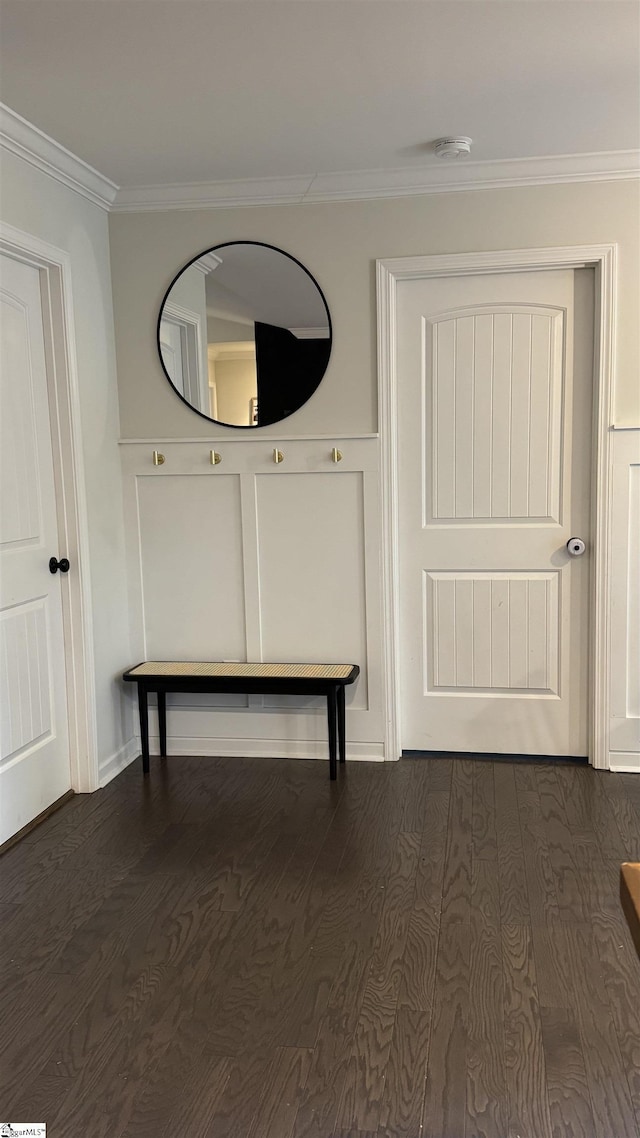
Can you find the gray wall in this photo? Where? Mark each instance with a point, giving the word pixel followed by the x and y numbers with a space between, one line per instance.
pixel 339 243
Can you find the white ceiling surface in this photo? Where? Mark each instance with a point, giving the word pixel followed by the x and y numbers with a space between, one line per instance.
pixel 260 283
pixel 156 92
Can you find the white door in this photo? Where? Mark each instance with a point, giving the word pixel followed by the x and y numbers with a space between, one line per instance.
pixel 495 393
pixel 34 750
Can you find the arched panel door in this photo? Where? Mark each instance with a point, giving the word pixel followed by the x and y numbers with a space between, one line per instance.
pixel 495 382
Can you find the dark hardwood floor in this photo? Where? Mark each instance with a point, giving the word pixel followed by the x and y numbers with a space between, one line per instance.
pixel 242 949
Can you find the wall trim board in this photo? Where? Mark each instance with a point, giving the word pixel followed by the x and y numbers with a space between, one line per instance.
pixel 389 273
pixel 624 724
pixel 624 762
pixel 361 185
pixel 119 760
pixel 54 266
pixel 22 138
pixel 245 438
pixel 264 748
pixel 255 455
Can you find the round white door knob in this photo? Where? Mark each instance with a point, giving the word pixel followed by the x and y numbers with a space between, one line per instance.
pixel 575 547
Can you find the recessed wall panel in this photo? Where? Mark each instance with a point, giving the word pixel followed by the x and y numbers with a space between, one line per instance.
pixel 312 571
pixel 191 567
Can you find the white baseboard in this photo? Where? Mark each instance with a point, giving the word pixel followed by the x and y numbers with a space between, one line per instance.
pixel 119 760
pixel 624 762
pixel 266 748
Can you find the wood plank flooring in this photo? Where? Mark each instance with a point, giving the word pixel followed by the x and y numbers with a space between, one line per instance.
pixel 241 949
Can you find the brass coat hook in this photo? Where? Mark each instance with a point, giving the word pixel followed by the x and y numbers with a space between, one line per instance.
pixel 158 458
pixel 278 456
pixel 214 457
pixel 336 455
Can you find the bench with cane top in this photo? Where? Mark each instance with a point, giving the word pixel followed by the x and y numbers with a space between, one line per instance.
pixel 328 680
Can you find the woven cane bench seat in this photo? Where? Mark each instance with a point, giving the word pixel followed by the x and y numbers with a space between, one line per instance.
pixel 252 671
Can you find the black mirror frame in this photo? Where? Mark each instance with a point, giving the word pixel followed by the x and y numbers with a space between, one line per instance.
pixel 212 249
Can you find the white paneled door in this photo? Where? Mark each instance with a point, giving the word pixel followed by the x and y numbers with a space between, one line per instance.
pixel 34 756
pixel 495 395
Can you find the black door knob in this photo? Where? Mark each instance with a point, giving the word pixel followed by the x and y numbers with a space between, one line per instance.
pixel 62 565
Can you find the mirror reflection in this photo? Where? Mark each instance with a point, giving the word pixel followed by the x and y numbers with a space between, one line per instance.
pixel 244 334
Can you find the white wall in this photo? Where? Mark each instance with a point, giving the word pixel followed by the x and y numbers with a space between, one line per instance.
pixel 624 726
pixel 228 331
pixel 38 205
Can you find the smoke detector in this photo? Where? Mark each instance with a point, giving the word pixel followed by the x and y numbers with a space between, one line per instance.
pixel 452 147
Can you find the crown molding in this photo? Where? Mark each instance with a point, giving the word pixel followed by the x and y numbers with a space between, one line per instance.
pixel 360 185
pixel 462 175
pixel 21 137
pixel 207 264
pixel 211 195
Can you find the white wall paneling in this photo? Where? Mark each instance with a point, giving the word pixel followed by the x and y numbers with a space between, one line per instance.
pixel 624 724
pixel 252 560
pixel 191 566
pixel 312 572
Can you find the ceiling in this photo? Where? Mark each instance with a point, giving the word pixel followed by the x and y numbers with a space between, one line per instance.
pixel 156 92
pixel 257 282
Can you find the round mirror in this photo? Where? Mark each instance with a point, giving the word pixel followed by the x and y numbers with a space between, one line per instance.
pixel 244 334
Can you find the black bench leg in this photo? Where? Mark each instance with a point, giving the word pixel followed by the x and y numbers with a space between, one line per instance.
pixel 342 734
pixel 144 726
pixel 333 732
pixel 162 722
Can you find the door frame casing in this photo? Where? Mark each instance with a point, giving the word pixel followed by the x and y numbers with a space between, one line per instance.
pixel 189 322
pixel 54 268
pixel 389 272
